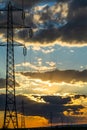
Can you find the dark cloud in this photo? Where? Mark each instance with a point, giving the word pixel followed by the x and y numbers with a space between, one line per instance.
pixel 2 102
pixel 77 8
pixel 54 108
pixel 75 4
pixel 76 28
pixel 38 108
pixel 31 3
pixel 54 29
pixel 46 35
pixel 63 1
pixel 78 96
pixel 56 100
pixel 3 83
pixel 54 105
pixel 59 76
pixel 27 3
pixel 74 32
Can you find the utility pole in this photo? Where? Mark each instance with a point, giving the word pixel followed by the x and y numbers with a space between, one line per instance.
pixel 10 115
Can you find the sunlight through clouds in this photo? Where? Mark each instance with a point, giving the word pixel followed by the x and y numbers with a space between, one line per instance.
pixel 38 86
pixel 52 77
pixel 34 68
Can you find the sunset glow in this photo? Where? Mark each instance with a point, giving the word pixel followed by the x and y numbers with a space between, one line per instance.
pixel 50 66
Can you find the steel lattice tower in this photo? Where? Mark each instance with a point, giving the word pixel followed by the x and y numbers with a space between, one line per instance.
pixel 10 106
pixel 10 115
pixel 22 115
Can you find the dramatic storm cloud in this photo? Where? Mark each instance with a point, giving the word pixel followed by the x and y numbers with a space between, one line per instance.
pixel 41 19
pixel 75 29
pixel 52 105
pixel 73 32
pixel 64 22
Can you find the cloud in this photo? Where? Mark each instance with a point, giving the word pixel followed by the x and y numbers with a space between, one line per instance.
pixel 34 107
pixel 34 68
pixel 46 22
pixel 77 23
pixel 51 63
pixel 51 23
pixel 56 100
pixel 44 85
pixel 51 104
pixel 43 19
pixel 47 51
pixel 3 83
pixel 54 105
pixel 27 3
pixel 69 76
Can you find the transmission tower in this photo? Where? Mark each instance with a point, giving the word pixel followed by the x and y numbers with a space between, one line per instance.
pixel 22 115
pixel 10 115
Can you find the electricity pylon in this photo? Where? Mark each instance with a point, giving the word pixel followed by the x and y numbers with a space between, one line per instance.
pixel 22 115
pixel 10 115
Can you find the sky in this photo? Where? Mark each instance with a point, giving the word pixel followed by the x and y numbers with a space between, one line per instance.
pixel 52 78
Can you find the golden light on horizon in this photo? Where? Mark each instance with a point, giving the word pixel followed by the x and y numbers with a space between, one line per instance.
pixel 36 121
pixel 30 121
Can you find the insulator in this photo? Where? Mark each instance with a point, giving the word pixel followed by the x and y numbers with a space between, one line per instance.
pixel 24 51
pixel 23 15
pixel 30 33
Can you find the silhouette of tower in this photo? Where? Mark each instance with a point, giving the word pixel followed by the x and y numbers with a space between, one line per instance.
pixel 10 106
pixel 51 118
pixel 22 115
pixel 10 115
